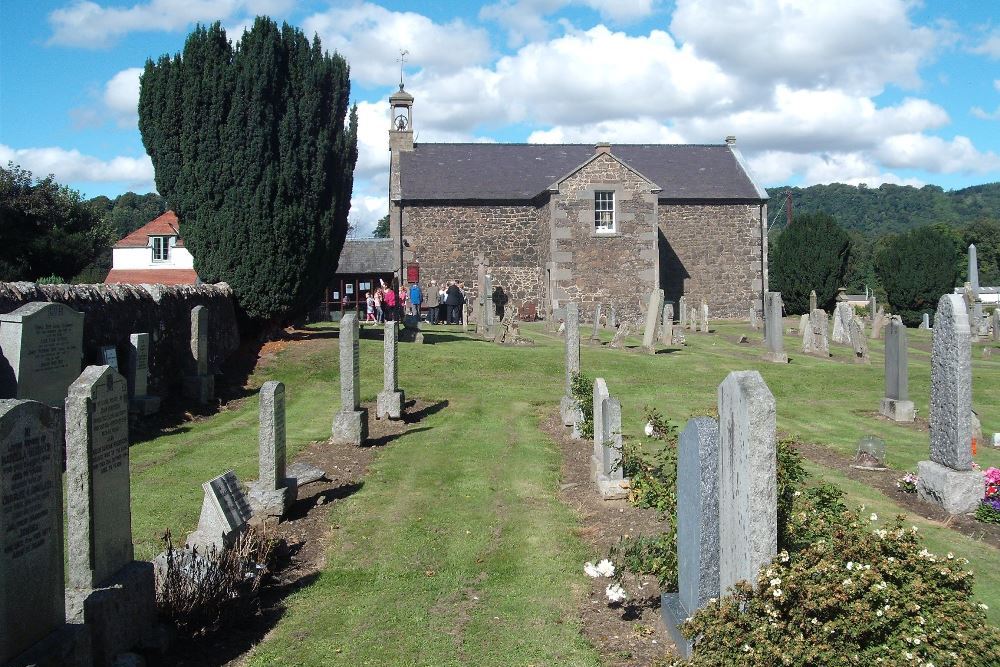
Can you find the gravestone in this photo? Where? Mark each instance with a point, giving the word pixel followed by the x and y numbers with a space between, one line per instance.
pixel 704 317
pixel 682 312
pixel 109 356
pixel 42 344
pixel 624 329
pixel 878 322
pixel 107 590
pixel 610 479
pixel 754 324
pixel 199 385
pixel 697 527
pixel 996 324
pixel 32 603
pixel 410 333
pixel 819 326
pixel 925 321
pixel 843 315
pixel 677 332
pixel 613 318
pixel 667 326
pixel 858 341
pixel 273 492
pixel 872 306
pixel 896 405
pixel 806 330
pixel 747 478
pixel 773 330
pixel 594 338
pixel 568 408
pixel 812 300
pixel 599 394
pixel 948 478
pixel 653 313
pixel 350 424
pixel 489 308
pixel 390 400
pixel 140 401
pixel 484 296
pixel 225 512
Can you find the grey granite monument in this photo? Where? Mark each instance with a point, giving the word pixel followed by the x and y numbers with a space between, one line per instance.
pixel 654 311
pixel 199 385
pixel 273 493
pixel 843 314
pixel 389 402
pixel 350 424
pixel 682 312
pixel 594 334
pixel 610 478
pixel 812 301
pixel 42 343
pixel 568 409
pixel 225 511
pixel 600 393
pixel 896 405
pixel 773 329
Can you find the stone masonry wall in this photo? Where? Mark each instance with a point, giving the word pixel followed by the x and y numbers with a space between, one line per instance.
pixel 446 240
pixel 616 269
pixel 711 251
pixel 113 312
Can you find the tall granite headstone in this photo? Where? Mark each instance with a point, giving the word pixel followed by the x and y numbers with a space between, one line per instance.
pixel 389 402
pixel 140 401
pixel 697 527
pixel 653 314
pixel 199 385
pixel 948 478
pixel 42 348
pixel 748 522
pixel 773 329
pixel 489 308
pixel 897 405
pixel 600 393
pixel 843 315
pixel 350 424
pixel 667 325
pixel 273 493
pixel 682 311
pixel 610 478
pixel 568 408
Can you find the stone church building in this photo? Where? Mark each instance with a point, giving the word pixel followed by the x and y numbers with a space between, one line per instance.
pixel 575 222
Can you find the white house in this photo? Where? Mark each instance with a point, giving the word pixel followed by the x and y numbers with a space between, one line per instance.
pixel 154 253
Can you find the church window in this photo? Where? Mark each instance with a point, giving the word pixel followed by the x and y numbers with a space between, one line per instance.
pixel 604 211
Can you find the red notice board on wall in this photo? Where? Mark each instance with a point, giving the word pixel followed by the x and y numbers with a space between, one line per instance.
pixel 413 273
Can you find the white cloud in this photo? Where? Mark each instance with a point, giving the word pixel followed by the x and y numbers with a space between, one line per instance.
pixel 525 20
pixel 851 168
pixel 366 210
pixel 981 113
pixel 89 25
pixel 370 37
pixel 73 166
pixel 641 130
pixel 121 96
pixel 920 151
pixel 996 84
pixel 990 46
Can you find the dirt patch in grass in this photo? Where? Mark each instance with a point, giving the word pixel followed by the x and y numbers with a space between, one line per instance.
pixel 632 634
pixel 307 533
pixel 885 481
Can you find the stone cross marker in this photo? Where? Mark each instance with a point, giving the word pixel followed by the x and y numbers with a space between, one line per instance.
pixel 653 314
pixel 200 385
pixel 594 338
pixel 812 300
pixel 138 376
pixel 225 512
pixel 390 400
pixel 32 602
pixel 596 456
pixel 896 405
pixel 748 514
pixel 773 329
pixel 697 527
pixel 704 317
pixel 350 424
pixel 948 478
pixel 610 478
pixel 43 346
pixel 273 493
pixel 568 408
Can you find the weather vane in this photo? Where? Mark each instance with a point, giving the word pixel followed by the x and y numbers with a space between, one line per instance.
pixel 402 61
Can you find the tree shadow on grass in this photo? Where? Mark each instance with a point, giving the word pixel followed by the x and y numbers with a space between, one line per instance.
pixel 423 413
pixel 431 338
pixel 384 440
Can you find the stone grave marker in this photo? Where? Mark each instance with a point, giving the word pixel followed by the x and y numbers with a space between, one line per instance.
pixel 896 405
pixel 594 338
pixel 489 309
pixel 199 386
pixel 667 326
pixel 140 401
pixel 109 356
pixel 390 400
pixel 624 329
pixel 773 329
pixel 843 314
pixel 925 321
pixel 812 300
pixel 819 327
pixel 350 424
pixel 107 590
pixel 872 306
pixel 568 408
pixel 858 341
pixel 411 333
pixel 42 344
pixel 704 317
pixel 613 318
pixel 600 393
pixel 682 311
pixel 754 324
pixel 610 478
pixel 697 527
pixel 805 329
pixel 748 514
pixel 948 478
pixel 996 324
pixel 225 512
pixel 273 492
pixel 878 322
pixel 653 313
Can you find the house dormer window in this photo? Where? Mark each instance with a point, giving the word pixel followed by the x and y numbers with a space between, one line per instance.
pixel 161 248
pixel 604 212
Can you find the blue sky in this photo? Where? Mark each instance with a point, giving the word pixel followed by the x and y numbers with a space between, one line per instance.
pixel 853 91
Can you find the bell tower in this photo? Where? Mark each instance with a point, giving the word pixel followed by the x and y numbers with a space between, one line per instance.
pixel 400 141
pixel 401 121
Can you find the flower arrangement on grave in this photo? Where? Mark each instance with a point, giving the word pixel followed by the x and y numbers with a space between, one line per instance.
pixel 989 509
pixel 907 483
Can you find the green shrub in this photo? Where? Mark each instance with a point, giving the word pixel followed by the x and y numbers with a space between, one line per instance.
pixel 656 556
pixel 51 280
pixel 582 390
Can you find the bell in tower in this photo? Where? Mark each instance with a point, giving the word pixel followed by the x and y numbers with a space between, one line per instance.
pixel 401 109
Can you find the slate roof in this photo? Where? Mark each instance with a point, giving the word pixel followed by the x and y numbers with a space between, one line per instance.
pixel 152 276
pixel 523 171
pixel 163 225
pixel 366 256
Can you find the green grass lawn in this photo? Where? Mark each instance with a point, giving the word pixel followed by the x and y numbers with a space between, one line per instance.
pixel 456 550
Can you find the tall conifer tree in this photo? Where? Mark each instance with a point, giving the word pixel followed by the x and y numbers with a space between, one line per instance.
pixel 811 254
pixel 254 148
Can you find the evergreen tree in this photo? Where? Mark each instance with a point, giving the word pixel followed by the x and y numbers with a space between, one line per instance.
pixel 382 228
pixel 811 254
pixel 254 150
pixel 916 268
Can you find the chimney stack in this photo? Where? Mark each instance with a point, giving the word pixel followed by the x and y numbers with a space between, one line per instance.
pixel 602 147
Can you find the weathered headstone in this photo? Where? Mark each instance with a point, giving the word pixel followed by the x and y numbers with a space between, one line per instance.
pixel 483 298
pixel 411 333
pixel 109 356
pixel 653 313
pixel 107 590
pixel 273 493
pixel 613 318
pixel 682 312
pixel 350 424
pixel 594 337
pixel 996 324
pixel 812 300
pixel 618 341
pixel 389 402
pixel 678 334
pixel 199 385
pixel 597 403
pixel 843 315
pixel 858 341
pixel 568 408
pixel 748 522
pixel 704 317
pixel 805 329
pixel 667 325
pixel 42 344
pixel 489 308
pixel 138 376
pixel 925 321
pixel 697 527
pixel 872 306
pixel 948 478
pixel 773 329
pixel 878 322
pixel 897 405
pixel 225 512
pixel 754 324
pixel 32 602
pixel 610 477
pixel 819 326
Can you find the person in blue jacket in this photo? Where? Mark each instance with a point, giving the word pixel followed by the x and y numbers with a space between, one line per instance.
pixel 416 298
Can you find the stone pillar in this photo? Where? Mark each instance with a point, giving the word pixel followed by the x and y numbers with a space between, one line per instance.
pixel 199 386
pixel 704 317
pixel 748 514
pixel 489 308
pixel 996 324
pixel 948 478
pixel 872 306
pixel 568 407
pixel 773 329
pixel 812 301
pixel 274 492
pixel 653 314
pixel 896 404
pixel 390 399
pixel 697 527
pixel 42 343
pixel 754 324
pixel 106 590
pixel 596 457
pixel 350 424
pixel 925 322
pixel 682 311
pixel 613 318
pixel 610 479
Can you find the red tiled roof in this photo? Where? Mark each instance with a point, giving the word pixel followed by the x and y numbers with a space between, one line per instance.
pixel 164 225
pixel 152 276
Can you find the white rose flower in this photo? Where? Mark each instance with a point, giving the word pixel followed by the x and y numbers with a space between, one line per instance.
pixel 606 568
pixel 591 570
pixel 615 593
pixel 649 429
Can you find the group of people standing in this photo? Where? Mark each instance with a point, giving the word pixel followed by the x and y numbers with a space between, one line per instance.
pixel 445 306
pixel 389 302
